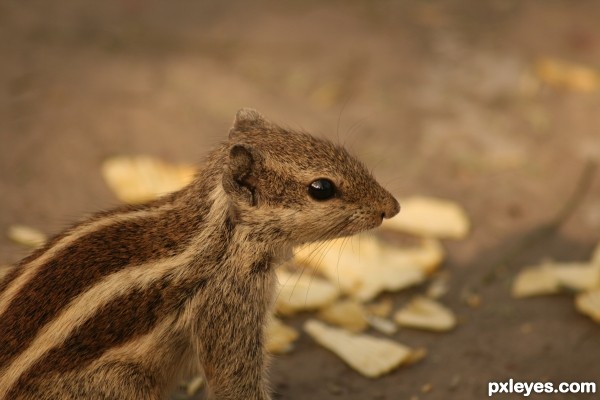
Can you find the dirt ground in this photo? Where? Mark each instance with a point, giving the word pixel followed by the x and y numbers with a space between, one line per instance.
pixel 439 98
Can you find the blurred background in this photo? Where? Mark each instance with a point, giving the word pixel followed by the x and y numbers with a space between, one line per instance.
pixel 493 104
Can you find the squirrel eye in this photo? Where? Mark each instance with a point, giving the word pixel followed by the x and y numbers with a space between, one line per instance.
pixel 321 189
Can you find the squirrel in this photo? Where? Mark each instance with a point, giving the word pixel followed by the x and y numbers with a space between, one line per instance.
pixel 128 302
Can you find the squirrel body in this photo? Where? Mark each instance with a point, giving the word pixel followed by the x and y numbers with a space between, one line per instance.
pixel 128 302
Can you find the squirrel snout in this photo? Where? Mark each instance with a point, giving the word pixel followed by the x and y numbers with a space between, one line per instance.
pixel 391 207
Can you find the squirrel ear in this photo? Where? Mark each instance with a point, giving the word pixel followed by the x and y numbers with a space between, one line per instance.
pixel 246 119
pixel 240 180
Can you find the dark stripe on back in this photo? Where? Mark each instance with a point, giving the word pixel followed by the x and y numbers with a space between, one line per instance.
pixel 118 322
pixel 127 208
pixel 82 264
pixel 19 269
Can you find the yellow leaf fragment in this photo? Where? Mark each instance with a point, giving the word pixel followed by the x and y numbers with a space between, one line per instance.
pixel 425 313
pixel 430 217
pixel 427 255
pixel 577 276
pixel 370 356
pixel 535 281
pixel 280 337
pixel 348 314
pixel 588 303
pixel 416 355
pixel 365 267
pixel 438 287
pixel 382 325
pixel 567 75
pixel 299 292
pixel 136 179
pixel 550 278
pixel 26 236
pixel 382 308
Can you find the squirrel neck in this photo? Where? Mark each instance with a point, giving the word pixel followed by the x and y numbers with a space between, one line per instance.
pixel 247 243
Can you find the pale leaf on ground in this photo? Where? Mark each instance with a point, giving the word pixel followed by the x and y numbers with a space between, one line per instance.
pixel 370 356
pixel 416 355
pixel 279 337
pixel 577 276
pixel 348 314
pixel 588 303
pixel 426 216
pixel 551 277
pixel 26 236
pixel 438 286
pixel 382 325
pixel 382 308
pixel 136 179
pixel 303 291
pixel 427 314
pixel 363 267
pixel 535 281
pixel 427 255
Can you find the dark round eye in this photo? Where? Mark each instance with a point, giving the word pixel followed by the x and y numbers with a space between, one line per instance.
pixel 321 189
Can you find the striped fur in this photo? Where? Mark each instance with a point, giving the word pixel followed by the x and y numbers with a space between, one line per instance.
pixel 126 303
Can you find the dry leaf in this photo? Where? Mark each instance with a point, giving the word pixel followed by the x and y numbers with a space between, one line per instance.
pixel 416 355
pixel 348 314
pixel 366 354
pixel 365 267
pixel 299 292
pixel 280 337
pixel 382 325
pixel 382 308
pixel 567 75
pixel 577 276
pixel 438 287
pixel 141 178
pixel 535 281
pixel 426 216
pixel 427 255
pixel 425 313
pixel 26 236
pixel 588 303
pixel 550 278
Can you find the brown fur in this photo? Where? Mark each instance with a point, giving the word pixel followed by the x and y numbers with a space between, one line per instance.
pixel 130 300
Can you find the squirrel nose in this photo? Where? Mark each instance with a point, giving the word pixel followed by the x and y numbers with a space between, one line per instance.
pixel 391 207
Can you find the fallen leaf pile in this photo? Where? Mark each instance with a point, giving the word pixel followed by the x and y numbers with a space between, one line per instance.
pixel 361 269
pixel 583 278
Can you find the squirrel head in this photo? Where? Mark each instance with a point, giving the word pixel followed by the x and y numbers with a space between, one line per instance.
pixel 300 187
